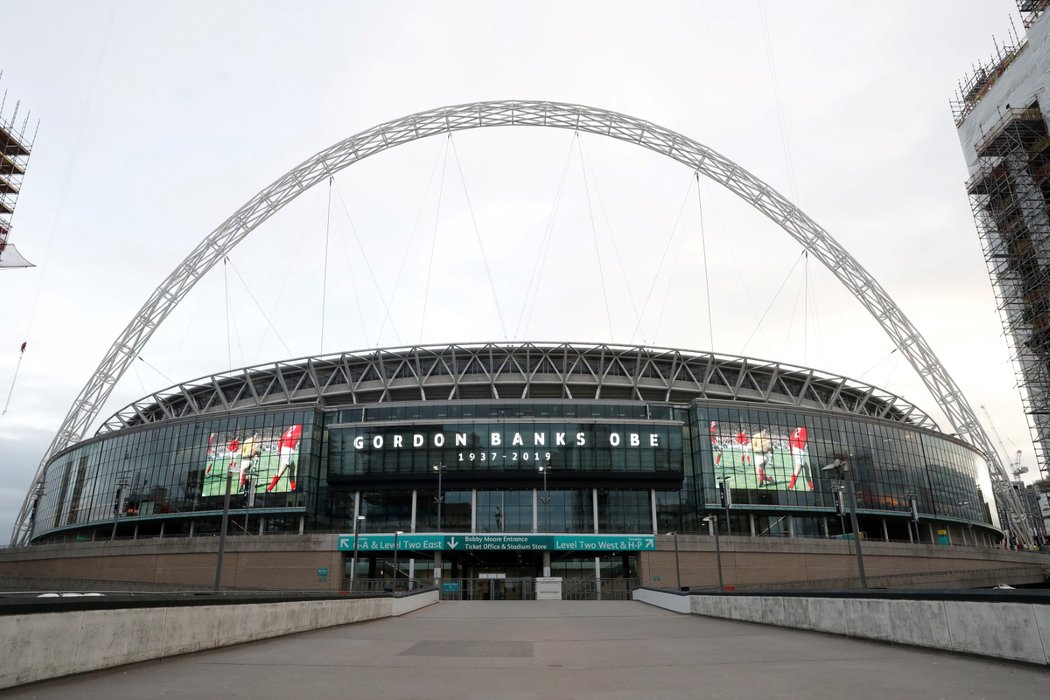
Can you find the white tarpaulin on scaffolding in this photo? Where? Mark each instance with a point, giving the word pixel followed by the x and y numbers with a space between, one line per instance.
pixel 10 257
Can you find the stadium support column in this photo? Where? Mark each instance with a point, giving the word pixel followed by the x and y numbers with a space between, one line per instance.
pixel 652 498
pixel 594 504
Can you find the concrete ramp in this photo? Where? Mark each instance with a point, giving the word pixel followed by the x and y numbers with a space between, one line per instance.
pixel 559 649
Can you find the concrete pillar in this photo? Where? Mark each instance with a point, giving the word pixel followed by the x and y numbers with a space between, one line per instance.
pixel 161 536
pixel 711 528
pixel 302 524
pixel 911 539
pixel 192 524
pixel 412 569
pixel 594 502
pixel 933 537
pixel 885 531
pixel 535 501
pixel 824 527
pixel 412 526
pixel 473 510
pixel 751 522
pixel 546 562
pixel 357 512
pixel 652 493
pixel 437 567
pixel 791 527
pixel 262 526
pixel 135 532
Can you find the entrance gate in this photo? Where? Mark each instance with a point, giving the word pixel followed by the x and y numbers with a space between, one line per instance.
pixel 525 589
pixel 488 589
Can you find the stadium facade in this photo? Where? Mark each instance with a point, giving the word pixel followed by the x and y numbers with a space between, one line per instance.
pixel 515 443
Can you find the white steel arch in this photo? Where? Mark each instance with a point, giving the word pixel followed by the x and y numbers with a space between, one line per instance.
pixel 556 115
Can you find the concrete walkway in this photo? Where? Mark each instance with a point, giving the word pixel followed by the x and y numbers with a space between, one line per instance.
pixel 558 649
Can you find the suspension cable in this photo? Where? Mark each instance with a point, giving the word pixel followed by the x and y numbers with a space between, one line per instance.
pixel 597 248
pixel 605 215
pixel 675 259
pixel 799 297
pixel 364 256
pixel 226 288
pixel 703 251
pixel 805 309
pixel 290 266
pixel 660 265
pixel 772 301
pixel 14 378
pixel 324 274
pixel 353 288
pixel 477 234
pixel 536 274
pixel 433 239
pixel 251 296
pixel 443 154
pixel 162 375
pixel 735 259
pixel 780 107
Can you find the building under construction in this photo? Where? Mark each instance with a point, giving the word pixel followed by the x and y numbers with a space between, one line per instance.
pixel 15 147
pixel 1001 113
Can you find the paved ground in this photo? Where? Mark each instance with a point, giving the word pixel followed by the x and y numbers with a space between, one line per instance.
pixel 559 649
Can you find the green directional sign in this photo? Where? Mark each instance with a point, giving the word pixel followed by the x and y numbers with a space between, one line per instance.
pixel 603 543
pixel 494 542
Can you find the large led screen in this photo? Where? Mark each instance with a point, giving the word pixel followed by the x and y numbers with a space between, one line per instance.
pixel 262 461
pixel 751 456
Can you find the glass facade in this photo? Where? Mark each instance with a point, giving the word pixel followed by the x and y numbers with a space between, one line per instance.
pixel 511 466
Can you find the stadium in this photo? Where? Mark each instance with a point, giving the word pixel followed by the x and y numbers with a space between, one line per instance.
pixel 486 466
pixel 497 440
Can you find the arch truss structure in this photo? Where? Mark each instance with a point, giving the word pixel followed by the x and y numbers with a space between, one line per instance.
pixel 444 120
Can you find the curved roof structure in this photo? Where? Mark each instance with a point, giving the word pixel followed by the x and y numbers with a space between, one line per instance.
pixel 516 371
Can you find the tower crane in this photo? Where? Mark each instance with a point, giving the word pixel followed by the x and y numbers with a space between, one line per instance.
pixel 1016 469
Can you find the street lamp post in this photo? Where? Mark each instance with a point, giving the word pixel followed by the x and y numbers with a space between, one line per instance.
pixel 677 565
pixel 843 466
pixel 353 566
pixel 439 468
pixel 222 532
pixel 397 534
pixel 713 520
pixel 544 468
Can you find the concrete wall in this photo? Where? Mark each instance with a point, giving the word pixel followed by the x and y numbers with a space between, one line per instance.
pixel 1015 631
pixel 47 645
pixel 272 562
pixel 765 562
pixel 290 562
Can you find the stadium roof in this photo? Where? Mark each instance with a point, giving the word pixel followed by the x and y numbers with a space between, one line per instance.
pixel 515 371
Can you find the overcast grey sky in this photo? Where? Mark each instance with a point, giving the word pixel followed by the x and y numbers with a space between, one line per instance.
pixel 198 105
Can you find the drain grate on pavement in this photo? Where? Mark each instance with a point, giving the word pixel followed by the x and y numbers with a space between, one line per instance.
pixel 459 648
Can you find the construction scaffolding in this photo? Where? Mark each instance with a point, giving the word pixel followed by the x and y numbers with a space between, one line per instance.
pixel 1031 9
pixel 1010 197
pixel 983 75
pixel 15 148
